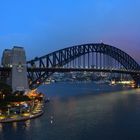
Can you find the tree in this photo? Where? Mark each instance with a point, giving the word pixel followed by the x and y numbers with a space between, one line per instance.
pixel 5 89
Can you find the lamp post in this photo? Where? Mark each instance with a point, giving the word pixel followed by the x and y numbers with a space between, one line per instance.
pixel 8 111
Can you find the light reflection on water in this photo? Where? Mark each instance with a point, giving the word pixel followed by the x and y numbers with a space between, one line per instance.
pixel 1 126
pixel 27 125
pixel 72 113
pixel 14 126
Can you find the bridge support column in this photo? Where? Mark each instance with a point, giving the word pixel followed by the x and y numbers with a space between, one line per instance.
pixel 136 78
pixel 19 70
pixel 137 83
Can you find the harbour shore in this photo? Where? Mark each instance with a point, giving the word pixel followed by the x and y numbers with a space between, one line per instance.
pixel 21 118
pixel 36 112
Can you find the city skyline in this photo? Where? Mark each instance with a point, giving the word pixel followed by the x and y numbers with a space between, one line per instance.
pixel 45 26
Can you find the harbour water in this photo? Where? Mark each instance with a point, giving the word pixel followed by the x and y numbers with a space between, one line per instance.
pixel 82 111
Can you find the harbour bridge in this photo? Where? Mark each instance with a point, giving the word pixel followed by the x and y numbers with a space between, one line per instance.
pixel 93 57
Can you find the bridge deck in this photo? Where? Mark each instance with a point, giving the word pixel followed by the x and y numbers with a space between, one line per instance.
pixel 3 69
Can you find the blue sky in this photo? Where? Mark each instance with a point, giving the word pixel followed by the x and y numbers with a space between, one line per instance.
pixel 42 26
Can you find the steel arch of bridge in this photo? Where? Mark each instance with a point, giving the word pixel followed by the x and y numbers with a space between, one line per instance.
pixel 62 57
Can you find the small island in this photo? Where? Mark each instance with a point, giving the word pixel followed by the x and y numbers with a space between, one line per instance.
pixel 19 106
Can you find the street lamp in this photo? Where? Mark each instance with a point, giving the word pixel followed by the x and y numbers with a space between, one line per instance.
pixel 8 109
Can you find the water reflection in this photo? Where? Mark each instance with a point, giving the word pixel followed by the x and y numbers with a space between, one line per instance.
pixel 27 125
pixel 14 124
pixel 75 114
pixel 1 127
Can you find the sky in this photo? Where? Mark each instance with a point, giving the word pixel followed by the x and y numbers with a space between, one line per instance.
pixel 43 26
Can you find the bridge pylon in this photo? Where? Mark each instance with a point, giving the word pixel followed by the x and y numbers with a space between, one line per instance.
pixel 136 78
pixel 19 70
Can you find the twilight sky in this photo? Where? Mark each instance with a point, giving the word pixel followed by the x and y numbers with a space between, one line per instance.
pixel 43 26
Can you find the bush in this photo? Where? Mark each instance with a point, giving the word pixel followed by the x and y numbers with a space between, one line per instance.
pixel 5 89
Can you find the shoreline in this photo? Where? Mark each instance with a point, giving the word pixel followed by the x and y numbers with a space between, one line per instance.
pixel 35 113
pixel 9 120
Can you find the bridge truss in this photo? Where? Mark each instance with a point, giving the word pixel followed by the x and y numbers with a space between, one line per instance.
pixel 85 57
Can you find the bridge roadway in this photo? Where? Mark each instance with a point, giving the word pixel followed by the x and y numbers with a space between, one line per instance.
pixel 58 69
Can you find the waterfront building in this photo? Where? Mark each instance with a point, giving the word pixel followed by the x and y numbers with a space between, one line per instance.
pixel 16 59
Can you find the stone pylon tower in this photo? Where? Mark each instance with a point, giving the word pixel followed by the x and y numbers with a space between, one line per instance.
pixel 19 69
